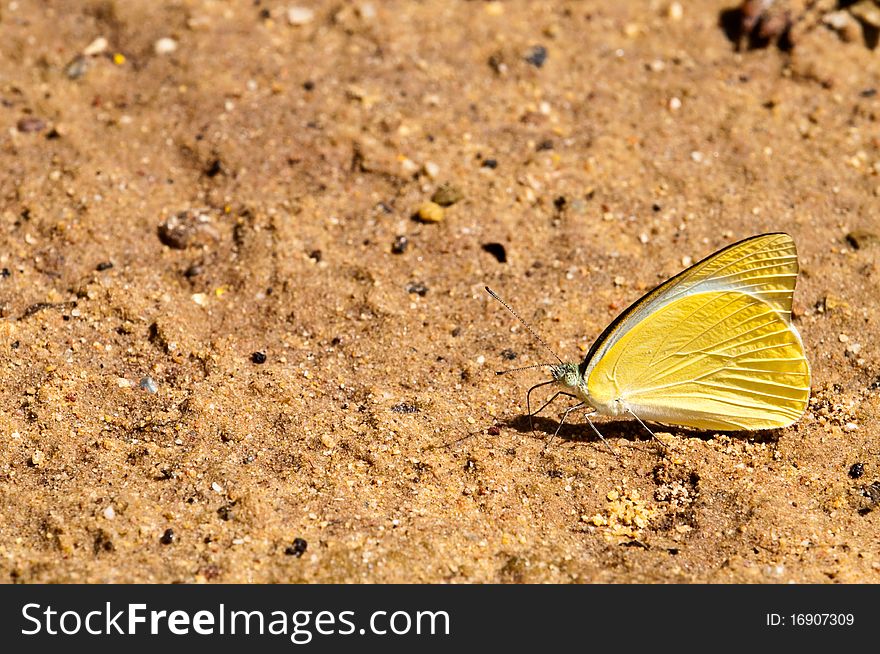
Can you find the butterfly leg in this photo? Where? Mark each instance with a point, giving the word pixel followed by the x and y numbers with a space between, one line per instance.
pixel 598 433
pixel 579 405
pixel 648 429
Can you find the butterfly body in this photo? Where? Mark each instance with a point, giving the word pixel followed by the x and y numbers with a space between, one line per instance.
pixel 711 348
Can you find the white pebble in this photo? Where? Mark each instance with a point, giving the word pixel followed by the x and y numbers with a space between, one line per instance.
pixel 217 488
pixel 697 156
pixel 676 11
pixel 109 513
pixel 300 15
pixel 843 338
pixel 96 47
pixel 850 426
pixel 432 169
pixel 481 360
pixel 165 45
pixel 200 298
pixel 674 104
pixel 686 260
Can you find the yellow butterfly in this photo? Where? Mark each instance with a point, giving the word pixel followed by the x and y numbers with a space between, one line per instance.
pixel 711 348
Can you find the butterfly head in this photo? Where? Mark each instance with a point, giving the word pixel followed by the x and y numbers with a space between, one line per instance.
pixel 567 375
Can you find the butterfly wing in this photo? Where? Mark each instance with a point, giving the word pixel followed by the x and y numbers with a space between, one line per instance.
pixel 716 360
pixel 764 266
pixel 712 348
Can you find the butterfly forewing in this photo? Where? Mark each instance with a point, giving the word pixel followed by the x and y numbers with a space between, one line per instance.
pixel 764 266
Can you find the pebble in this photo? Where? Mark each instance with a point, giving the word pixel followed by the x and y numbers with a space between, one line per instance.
pixel 185 229
pixel 200 298
pixel 536 55
pixel 77 67
pixel 148 384
pixel 104 265
pixel 31 124
pixel 109 513
pixel 96 47
pixel 400 244
pixel 419 288
pixel 850 426
pixel 217 488
pixel 168 537
pixel 432 169
pixel 258 357
pixel 674 104
pixel 298 548
pixel 675 11
pixel 430 212
pixel 856 470
pixel 38 458
pixel 164 46
pixel 446 195
pixel 300 15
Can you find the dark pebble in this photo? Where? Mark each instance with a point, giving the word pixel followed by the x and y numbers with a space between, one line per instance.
pixel 298 548
pixel 258 357
pixel 5 273
pixel 546 144
pixel 214 168
pixel 496 250
pixel 536 55
pixel 456 331
pixel 316 255
pixel 309 85
pixel 225 512
pixel 490 163
pixel 403 407
pixel 508 354
pixel 559 202
pixel 868 93
pixel 419 288
pixel 470 465
pixel 104 265
pixel 856 470
pixel 168 537
pixel 493 430
pixel 31 124
pixel 400 244
pixel 193 271
pixel 655 207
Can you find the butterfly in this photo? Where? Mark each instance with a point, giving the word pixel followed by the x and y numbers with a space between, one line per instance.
pixel 712 348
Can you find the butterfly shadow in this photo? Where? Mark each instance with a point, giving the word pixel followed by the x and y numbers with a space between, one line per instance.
pixel 580 432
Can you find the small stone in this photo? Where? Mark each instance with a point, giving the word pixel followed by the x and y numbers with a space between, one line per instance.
pixel 419 288
pixel 109 513
pixel 258 357
pixel 217 488
pixel 148 384
pixel 300 15
pixel 122 382
pixel 674 104
pixel 38 458
pixel 200 298
pixel 856 470
pixel 432 169
pixel 164 46
pixel 104 265
pixel 96 47
pixel 190 228
pixel 430 212
pixel 536 56
pixel 328 441
pixel 447 195
pixel 850 427
pixel 843 338
pixel 77 67
pixel 298 548
pixel 400 244
pixel 168 537
pixel 491 164
pixel 31 124
pixel 675 11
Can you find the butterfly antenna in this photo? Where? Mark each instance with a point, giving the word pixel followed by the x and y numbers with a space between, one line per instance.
pixel 525 324
pixel 537 365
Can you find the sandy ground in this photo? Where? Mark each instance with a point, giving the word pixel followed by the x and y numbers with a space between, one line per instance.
pixel 220 197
